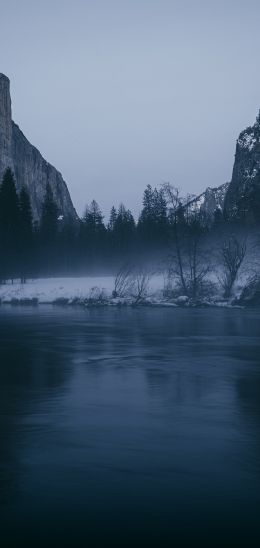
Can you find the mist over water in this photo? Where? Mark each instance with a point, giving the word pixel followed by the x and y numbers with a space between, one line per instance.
pixel 129 427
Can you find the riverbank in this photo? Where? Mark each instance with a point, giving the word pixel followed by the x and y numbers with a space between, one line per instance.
pixel 97 291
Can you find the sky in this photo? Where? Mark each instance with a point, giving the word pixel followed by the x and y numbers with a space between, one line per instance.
pixel 118 94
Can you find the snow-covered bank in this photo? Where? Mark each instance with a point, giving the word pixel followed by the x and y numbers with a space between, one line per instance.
pixel 49 290
pixel 94 291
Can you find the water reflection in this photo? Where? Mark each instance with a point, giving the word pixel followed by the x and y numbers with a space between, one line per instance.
pixel 137 426
pixel 31 368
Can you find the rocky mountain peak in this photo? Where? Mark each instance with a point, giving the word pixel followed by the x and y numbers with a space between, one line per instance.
pixel 31 170
pixel 249 138
pixel 245 177
pixel 5 124
pixel 207 203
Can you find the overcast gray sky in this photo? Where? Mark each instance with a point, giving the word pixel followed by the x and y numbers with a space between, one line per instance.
pixel 121 93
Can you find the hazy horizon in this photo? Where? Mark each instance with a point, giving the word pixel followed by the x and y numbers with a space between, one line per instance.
pixel 117 95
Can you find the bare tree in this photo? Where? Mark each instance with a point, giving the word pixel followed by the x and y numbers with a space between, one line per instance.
pixel 96 296
pixel 232 255
pixel 140 285
pixel 169 280
pixel 194 262
pixel 198 266
pixel 189 264
pixel 123 282
pixel 175 203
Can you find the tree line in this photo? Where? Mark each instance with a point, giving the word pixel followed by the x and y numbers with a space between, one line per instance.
pixel 56 245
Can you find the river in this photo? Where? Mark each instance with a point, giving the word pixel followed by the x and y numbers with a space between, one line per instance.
pixel 129 427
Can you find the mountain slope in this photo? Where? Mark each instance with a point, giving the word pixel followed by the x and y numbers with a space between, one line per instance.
pixel 242 199
pixel 30 168
pixel 208 202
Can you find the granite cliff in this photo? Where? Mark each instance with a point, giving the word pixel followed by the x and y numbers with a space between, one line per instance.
pixel 208 203
pixel 30 168
pixel 242 201
pixel 238 200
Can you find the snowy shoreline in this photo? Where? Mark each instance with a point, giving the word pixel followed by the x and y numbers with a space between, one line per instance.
pixel 49 290
pixel 94 292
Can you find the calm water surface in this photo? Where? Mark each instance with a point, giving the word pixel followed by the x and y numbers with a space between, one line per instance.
pixel 129 427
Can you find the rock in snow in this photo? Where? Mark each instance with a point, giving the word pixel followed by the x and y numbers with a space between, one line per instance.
pixel 208 202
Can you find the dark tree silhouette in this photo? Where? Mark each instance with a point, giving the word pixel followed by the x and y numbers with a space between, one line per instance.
pixel 26 235
pixel 153 222
pixel 112 219
pixel 9 225
pixel 124 230
pixel 26 217
pixel 49 217
pixel 48 249
pixel 232 255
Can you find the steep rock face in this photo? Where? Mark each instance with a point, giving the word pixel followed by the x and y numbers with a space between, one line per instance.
pixel 30 168
pixel 240 197
pixel 208 203
pixel 5 125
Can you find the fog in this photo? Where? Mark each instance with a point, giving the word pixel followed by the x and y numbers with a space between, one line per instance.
pixel 120 94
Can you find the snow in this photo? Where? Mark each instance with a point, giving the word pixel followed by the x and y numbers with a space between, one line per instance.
pixel 247 140
pixel 218 194
pixel 47 290
pixel 96 291
pixel 196 204
pixel 250 174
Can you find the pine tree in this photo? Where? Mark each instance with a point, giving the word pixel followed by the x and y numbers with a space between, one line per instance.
pixel 146 219
pixel 9 224
pixel 160 219
pixel 26 234
pixel 49 217
pixel 92 236
pixel 26 217
pixel 9 207
pixel 93 219
pixel 148 202
pixel 153 221
pixel 112 219
pixel 48 248
pixel 67 243
pixel 124 229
